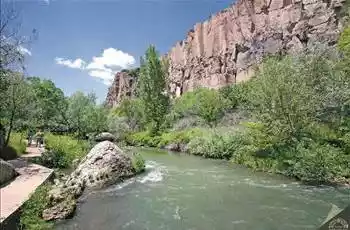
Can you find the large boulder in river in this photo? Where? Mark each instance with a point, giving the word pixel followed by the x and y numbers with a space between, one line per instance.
pixel 7 172
pixel 105 164
pixel 105 136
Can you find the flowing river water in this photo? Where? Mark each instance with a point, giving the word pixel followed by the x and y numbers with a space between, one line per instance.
pixel 179 192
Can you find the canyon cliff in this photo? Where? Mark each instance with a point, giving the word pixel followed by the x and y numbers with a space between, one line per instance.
pixel 123 86
pixel 224 49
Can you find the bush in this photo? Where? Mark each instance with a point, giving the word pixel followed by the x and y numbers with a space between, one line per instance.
pixel 290 93
pixel 62 150
pixel 188 122
pixel 17 141
pixel 138 163
pixel 118 126
pixel 217 145
pixel 208 104
pixel 177 137
pixel 235 95
pixel 32 210
pixel 132 111
pixel 319 163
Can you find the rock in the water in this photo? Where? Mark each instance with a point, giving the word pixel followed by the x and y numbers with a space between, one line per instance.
pixel 172 147
pixel 61 210
pixel 105 137
pixel 103 165
pixel 7 172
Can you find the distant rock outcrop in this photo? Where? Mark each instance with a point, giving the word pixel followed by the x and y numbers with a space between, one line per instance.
pixel 123 86
pixel 222 50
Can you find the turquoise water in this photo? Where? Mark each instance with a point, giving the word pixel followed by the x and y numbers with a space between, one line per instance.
pixel 179 191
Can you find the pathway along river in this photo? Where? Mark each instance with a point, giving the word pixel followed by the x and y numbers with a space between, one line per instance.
pixel 179 192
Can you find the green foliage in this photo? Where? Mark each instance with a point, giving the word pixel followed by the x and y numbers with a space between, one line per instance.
pixel 132 110
pixel 15 105
pixel 293 92
pixel 215 145
pixel 17 141
pixel 62 150
pixel 49 104
pixel 319 163
pixel 84 116
pixel 208 104
pixel 152 89
pixel 118 126
pixel 138 163
pixel 30 218
pixel 235 95
pixel 176 137
pixel 344 41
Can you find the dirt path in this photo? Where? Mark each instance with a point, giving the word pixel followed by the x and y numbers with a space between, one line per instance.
pixel 33 151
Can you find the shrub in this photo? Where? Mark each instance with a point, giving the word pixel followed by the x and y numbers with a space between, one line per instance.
pixel 32 210
pixel 17 141
pixel 188 122
pixel 132 111
pixel 138 163
pixel 118 126
pixel 290 93
pixel 62 150
pixel 235 95
pixel 217 145
pixel 146 139
pixel 208 104
pixel 319 163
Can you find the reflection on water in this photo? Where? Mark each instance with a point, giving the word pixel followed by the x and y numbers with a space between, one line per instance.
pixel 185 192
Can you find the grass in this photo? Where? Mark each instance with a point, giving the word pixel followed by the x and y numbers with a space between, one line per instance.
pixel 63 150
pixel 138 163
pixel 17 141
pixel 32 210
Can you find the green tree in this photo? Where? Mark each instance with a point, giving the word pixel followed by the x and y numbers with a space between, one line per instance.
pixel 207 104
pixel 152 89
pixel 50 104
pixel 84 116
pixel 132 110
pixel 16 105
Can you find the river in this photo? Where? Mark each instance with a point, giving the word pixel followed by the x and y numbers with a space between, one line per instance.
pixel 179 192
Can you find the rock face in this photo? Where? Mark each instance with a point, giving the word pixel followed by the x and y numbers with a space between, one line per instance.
pixel 123 86
pixel 103 165
pixel 223 49
pixel 7 172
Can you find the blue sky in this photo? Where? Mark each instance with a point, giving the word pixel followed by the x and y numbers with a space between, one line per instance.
pixel 82 43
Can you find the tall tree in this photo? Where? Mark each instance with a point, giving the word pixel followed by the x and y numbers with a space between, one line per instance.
pixel 84 116
pixel 152 89
pixel 17 103
pixel 50 104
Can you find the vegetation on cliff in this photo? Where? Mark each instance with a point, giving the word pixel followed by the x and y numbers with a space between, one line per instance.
pixel 292 118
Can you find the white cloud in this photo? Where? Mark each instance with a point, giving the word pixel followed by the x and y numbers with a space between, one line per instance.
pixel 113 59
pixel 110 62
pixel 103 67
pixel 24 51
pixel 76 64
